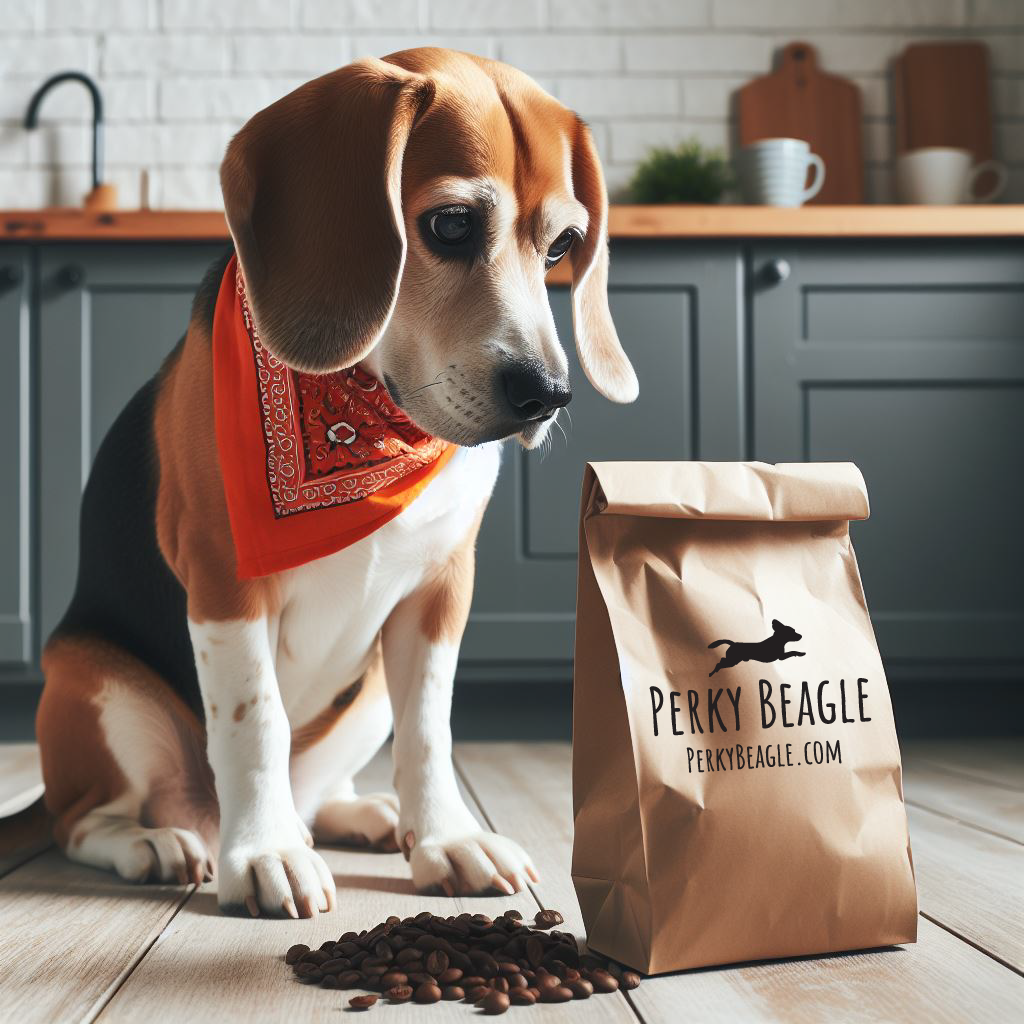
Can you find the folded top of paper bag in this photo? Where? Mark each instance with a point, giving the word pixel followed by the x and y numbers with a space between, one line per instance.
pixel 729 490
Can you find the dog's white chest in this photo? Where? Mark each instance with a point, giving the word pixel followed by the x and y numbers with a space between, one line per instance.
pixel 333 609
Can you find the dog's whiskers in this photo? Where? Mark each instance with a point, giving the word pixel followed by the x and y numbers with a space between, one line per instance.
pixel 562 429
pixel 423 387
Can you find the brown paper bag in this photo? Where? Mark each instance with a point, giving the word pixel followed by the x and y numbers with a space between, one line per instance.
pixel 736 777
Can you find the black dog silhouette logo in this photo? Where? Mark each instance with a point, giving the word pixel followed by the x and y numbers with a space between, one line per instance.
pixel 772 648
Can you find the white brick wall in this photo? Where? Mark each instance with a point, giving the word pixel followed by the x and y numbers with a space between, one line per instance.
pixel 180 76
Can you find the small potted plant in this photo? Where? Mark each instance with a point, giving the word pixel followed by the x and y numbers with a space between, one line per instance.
pixel 687 173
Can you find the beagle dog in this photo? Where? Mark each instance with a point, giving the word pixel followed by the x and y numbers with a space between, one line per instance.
pixel 397 216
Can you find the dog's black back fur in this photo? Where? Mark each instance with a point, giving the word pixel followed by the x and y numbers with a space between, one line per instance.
pixel 126 592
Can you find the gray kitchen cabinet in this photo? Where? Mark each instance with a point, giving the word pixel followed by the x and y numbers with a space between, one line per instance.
pixel 677 310
pixel 108 315
pixel 908 359
pixel 17 593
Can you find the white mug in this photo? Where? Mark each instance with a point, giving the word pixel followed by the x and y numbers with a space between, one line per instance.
pixel 943 176
pixel 773 172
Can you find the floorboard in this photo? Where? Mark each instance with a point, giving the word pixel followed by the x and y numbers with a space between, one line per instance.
pixel 941 980
pixel 996 809
pixel 70 935
pixel 971 883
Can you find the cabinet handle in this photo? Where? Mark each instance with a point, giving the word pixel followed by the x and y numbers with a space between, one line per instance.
pixel 10 275
pixel 776 271
pixel 71 276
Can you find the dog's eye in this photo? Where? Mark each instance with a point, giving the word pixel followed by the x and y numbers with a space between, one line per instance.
pixel 452 226
pixel 560 246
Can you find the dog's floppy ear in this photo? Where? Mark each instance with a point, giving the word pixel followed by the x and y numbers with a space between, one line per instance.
pixel 312 193
pixel 597 343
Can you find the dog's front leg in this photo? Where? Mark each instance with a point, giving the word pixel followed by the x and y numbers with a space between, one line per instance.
pixel 443 841
pixel 265 858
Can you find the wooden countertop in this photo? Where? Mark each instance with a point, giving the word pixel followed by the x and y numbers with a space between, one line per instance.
pixel 624 222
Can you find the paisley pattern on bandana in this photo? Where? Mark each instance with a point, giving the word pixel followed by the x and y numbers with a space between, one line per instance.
pixel 331 438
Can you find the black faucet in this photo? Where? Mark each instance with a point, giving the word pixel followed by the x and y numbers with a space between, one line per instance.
pixel 32 114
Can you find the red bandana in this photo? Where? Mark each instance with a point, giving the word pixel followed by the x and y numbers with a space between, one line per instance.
pixel 311 462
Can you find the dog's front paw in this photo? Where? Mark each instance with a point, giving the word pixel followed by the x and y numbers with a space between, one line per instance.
pixel 279 881
pixel 476 862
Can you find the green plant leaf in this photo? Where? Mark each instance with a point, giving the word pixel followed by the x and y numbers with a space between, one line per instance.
pixel 686 173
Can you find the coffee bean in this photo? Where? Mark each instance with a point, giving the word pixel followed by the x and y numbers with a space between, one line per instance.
pixel 514 914
pixel 316 956
pixel 383 950
pixel 602 981
pixel 393 978
pixel 349 979
pixel 517 981
pixel 362 1002
pixel 308 972
pixel 495 1003
pixel 483 962
pixel 629 980
pixel 421 978
pixel 399 993
pixel 477 993
pixel 546 981
pixel 500 985
pixel 472 981
pixel 580 988
pixel 556 994
pixel 547 919
pixel 408 954
pixel 346 948
pixel 336 966
pixel 569 955
pixel 450 976
pixel 330 981
pixel 295 953
pixel 522 997
pixel 436 962
pixel 427 993
pixel 451 992
pixel 459 959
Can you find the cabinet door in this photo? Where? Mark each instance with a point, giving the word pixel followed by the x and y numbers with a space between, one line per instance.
pixel 909 361
pixel 108 317
pixel 677 312
pixel 16 539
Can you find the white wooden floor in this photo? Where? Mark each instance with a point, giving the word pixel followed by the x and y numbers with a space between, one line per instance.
pixel 77 945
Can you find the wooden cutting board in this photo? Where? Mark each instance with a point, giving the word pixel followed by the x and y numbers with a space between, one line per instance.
pixel 941 97
pixel 802 102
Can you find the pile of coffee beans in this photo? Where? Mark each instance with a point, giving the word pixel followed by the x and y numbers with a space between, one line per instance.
pixel 493 964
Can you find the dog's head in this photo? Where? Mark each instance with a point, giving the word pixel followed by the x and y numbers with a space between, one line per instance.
pixel 784 632
pixel 403 213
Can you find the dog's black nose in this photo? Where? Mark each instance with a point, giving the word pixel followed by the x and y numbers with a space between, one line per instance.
pixel 533 394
